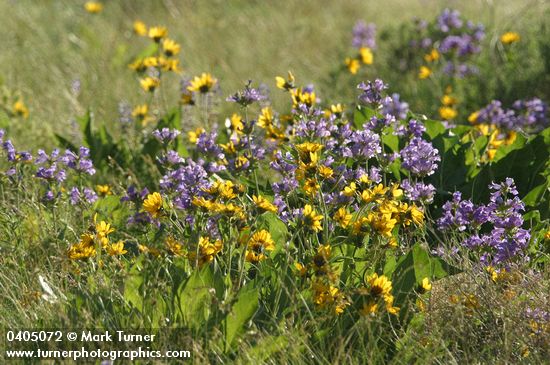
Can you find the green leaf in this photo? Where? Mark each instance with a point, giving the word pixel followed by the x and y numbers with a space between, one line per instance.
pixel 132 287
pixel 194 299
pixel 276 227
pixel 362 114
pixel 241 312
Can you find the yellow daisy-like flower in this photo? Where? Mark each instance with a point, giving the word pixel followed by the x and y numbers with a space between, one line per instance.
pixel 80 251
pixel 447 113
pixel 472 118
pixel 350 189
pixel 425 285
pixel 381 223
pixel 342 217
pixel 263 204
pixel 369 308
pixel 285 84
pixel 141 112
pixel 329 296
pixel 424 72
pixel 174 247
pixel 366 55
pixel 510 37
pixel 353 65
pixel 325 171
pixel 311 219
pixel 203 83
pixel 20 109
pixel 259 243
pixel 170 47
pixel 448 100
pixel 103 229
pixel 140 28
pixel 375 194
pixel 240 162
pixel 158 33
pixel 265 120
pixel 153 204
pixel 311 187
pixel 149 83
pixel 93 7
pixel 321 259
pixel 379 286
pixel 432 56
pixel 116 249
pixel 207 250
pixel 103 190
pixel 299 96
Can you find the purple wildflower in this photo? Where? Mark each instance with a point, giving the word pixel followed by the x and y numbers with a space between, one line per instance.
pixel 420 157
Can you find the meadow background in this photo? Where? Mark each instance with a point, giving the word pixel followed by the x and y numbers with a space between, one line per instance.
pixel 49 45
pixel 63 61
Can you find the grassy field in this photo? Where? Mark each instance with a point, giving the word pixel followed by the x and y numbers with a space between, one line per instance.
pixel 49 46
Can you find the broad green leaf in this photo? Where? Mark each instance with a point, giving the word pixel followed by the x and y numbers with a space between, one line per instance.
pixel 241 312
pixel 194 298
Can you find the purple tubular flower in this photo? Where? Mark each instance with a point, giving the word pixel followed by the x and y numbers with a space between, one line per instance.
pixel 364 35
pixel 89 195
pixel 449 19
pixel 372 91
pixel 365 143
pixel 247 96
pixel 506 239
pixel 419 192
pixel 395 107
pixel 80 162
pixel 186 182
pixel 166 135
pixel 420 157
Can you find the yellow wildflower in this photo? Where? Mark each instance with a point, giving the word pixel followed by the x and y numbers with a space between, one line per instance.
pixel 472 118
pixel 263 204
pixel 424 72
pixel 432 56
pixel 342 217
pixel 350 189
pixel 20 109
pixel 425 285
pixel 153 204
pixel 311 187
pixel 353 65
pixel 93 7
pixel 203 83
pixel 447 113
pixel 207 250
pixel 383 224
pixel 448 100
pixel 259 243
pixel 116 249
pixel 149 83
pixel 170 47
pixel 265 119
pixel 173 246
pixel 103 190
pixel 140 28
pixel 299 96
pixel 325 171
pixel 311 219
pixel 287 84
pixel 510 37
pixel 366 55
pixel 158 33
